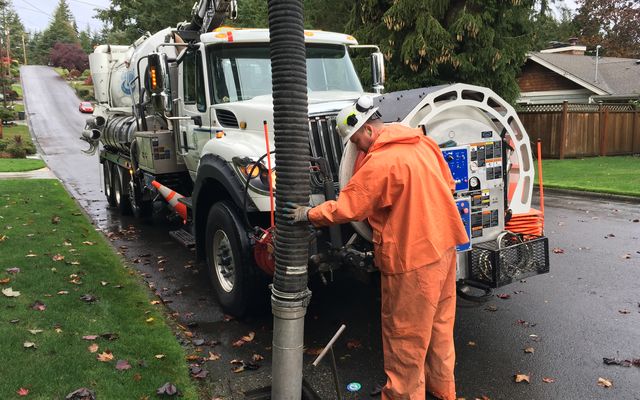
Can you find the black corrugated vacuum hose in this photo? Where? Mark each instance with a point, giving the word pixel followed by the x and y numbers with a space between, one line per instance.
pixel 291 126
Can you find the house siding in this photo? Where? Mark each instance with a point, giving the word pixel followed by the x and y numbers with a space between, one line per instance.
pixel 536 78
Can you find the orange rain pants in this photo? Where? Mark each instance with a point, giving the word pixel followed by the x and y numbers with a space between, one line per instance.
pixel 418 313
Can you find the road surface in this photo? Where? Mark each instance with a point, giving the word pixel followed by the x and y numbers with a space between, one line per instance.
pixel 587 308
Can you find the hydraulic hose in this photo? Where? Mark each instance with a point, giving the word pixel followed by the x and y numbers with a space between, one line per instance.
pixel 289 293
pixel 291 123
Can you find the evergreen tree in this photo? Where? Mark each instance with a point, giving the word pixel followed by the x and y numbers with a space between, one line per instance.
pixel 62 29
pixel 10 23
pixel 428 42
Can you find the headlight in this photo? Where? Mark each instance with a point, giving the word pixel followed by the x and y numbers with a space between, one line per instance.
pixel 256 173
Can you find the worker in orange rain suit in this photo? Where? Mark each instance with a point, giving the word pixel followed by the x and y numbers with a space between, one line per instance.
pixel 404 187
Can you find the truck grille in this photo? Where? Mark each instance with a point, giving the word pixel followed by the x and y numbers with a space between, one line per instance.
pixel 325 142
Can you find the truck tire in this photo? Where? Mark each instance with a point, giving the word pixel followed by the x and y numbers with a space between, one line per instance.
pixel 140 208
pixel 230 263
pixel 107 172
pixel 121 190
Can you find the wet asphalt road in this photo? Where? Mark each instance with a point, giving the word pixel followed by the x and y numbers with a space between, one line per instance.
pixel 577 313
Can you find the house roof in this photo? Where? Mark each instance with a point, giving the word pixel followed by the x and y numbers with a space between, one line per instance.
pixel 616 76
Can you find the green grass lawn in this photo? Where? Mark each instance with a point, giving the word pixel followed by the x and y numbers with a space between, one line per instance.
pixel 17 88
pixel 61 258
pixel 20 164
pixel 15 130
pixel 18 107
pixel 614 175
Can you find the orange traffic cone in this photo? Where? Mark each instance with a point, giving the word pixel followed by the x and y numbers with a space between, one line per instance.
pixel 172 198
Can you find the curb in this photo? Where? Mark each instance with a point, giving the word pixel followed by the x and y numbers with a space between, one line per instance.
pixel 588 195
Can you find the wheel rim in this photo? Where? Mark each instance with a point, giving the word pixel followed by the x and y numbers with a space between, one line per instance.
pixel 107 181
pixel 116 189
pixel 223 262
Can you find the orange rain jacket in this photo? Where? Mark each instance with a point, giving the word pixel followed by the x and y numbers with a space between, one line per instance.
pixel 404 188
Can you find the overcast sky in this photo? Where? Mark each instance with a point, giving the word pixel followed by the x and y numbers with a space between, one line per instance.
pixel 36 14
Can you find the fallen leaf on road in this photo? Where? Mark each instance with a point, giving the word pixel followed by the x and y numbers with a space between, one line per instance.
pixel 168 389
pixel 122 365
pixel 615 361
pixel 610 235
pixel 197 372
pixel 256 357
pixel 81 394
pixel 522 378
pixel 227 318
pixel 105 356
pixel 624 311
pixel 212 357
pixel 38 306
pixel 605 383
pixel 22 392
pixel 9 292
pixel 504 296
pixel 558 250
pixel 529 350
pixel 192 357
pixel 249 337
pixel 198 342
pixel 548 380
pixel 491 308
pixel 29 345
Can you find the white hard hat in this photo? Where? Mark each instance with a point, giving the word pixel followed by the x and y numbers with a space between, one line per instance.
pixel 351 118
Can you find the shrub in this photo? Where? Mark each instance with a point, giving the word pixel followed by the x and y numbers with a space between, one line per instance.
pixel 17 148
pixel 74 74
pixel 7 114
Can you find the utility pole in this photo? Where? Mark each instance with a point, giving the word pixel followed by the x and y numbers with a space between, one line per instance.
pixel 24 52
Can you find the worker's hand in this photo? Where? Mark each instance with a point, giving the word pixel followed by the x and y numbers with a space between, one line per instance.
pixel 296 213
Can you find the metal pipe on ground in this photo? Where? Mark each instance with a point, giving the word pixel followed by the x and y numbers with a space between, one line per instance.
pixel 289 293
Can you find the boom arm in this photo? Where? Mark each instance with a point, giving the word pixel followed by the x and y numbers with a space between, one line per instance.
pixel 207 15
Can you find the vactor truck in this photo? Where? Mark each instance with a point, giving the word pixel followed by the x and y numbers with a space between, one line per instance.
pixel 186 114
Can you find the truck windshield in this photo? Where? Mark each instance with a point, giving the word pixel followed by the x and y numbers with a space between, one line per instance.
pixel 243 71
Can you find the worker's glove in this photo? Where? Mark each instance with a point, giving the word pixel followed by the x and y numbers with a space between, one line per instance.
pixel 295 213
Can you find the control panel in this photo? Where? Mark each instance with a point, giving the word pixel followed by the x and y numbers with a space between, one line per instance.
pixel 465 214
pixel 458 160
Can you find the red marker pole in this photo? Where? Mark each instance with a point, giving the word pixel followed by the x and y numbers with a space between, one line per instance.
pixel 540 184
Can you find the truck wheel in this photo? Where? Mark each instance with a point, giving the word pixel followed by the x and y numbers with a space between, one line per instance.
pixel 108 183
pixel 140 208
pixel 229 260
pixel 121 190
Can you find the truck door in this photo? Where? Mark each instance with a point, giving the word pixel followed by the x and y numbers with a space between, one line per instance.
pixel 192 88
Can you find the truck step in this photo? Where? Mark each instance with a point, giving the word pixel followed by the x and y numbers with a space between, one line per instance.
pixel 186 201
pixel 184 238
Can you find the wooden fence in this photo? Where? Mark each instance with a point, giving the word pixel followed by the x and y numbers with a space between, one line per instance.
pixel 583 130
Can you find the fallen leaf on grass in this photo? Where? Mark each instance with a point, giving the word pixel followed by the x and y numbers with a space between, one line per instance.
pixel 548 380
pixel 110 336
pixel 159 356
pixel 35 331
pixel 62 292
pixel 558 250
pixel 29 345
pixel 22 392
pixel 149 320
pixel 122 365
pixel 605 383
pixel 137 377
pixel 31 255
pixel 55 219
pixel 9 292
pixel 88 243
pixel 38 306
pixel 93 348
pixel 105 356
pixel 88 298
pixel 4 281
pixel 90 337
pixel 58 257
pixel 13 270
pixel 81 394
pixel 168 389
pixel 522 378
pixel 154 302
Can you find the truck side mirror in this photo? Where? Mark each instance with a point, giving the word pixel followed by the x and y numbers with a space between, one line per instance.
pixel 156 83
pixel 377 71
